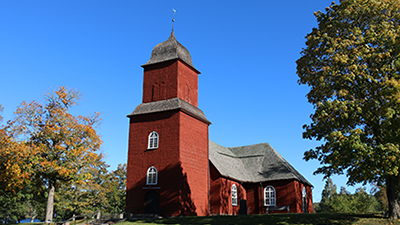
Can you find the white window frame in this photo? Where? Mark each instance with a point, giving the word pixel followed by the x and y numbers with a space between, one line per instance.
pixel 152 176
pixel 304 199
pixel 269 196
pixel 153 140
pixel 234 196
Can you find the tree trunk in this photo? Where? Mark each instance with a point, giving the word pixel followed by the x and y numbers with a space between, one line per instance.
pixel 50 203
pixel 392 192
pixel 32 219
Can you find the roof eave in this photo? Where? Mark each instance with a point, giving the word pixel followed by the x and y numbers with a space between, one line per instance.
pixel 172 59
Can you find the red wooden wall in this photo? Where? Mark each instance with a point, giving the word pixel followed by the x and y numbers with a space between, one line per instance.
pixel 288 192
pixel 170 79
pixel 182 156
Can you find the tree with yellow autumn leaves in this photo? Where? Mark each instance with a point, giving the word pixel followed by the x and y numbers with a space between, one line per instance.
pixel 47 146
pixel 351 63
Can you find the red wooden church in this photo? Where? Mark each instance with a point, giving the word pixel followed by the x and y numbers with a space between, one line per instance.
pixel 175 170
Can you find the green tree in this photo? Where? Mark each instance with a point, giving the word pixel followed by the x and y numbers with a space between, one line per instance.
pixel 84 196
pixel 328 194
pixel 364 202
pixel 379 193
pixel 352 64
pixel 12 208
pixel 344 201
pixel 61 146
pixel 35 204
pixel 104 191
pixel 116 184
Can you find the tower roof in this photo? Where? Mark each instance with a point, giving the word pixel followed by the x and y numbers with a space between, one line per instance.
pixel 169 50
pixel 168 105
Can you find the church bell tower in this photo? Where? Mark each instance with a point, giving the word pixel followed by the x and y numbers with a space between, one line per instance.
pixel 168 167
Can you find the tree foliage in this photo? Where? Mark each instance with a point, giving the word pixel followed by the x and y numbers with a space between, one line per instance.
pixel 84 196
pixel 116 183
pixel 329 192
pixel 14 172
pixel 105 191
pixel 359 202
pixel 352 65
pixel 46 146
pixel 380 195
pixel 12 208
pixel 46 153
pixel 13 188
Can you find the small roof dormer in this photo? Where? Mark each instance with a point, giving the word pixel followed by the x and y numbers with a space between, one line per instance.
pixel 169 50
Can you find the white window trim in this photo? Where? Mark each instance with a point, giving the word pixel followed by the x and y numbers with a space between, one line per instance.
pixel 234 196
pixel 150 180
pixel 153 140
pixel 271 197
pixel 304 200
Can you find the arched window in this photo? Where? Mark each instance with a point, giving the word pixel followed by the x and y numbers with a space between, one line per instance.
pixel 234 195
pixel 304 198
pixel 153 140
pixel 269 196
pixel 152 176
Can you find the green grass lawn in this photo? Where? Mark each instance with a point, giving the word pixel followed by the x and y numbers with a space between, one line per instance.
pixel 272 219
pixel 281 219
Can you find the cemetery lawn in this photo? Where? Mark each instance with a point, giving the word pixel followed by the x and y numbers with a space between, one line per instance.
pixel 281 219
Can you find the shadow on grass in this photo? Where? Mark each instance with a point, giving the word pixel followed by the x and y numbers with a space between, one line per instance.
pixel 281 219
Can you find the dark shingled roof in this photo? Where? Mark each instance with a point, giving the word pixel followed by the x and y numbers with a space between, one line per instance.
pixel 167 105
pixel 169 50
pixel 252 163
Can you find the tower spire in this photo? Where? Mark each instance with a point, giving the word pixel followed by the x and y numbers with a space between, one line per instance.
pixel 173 18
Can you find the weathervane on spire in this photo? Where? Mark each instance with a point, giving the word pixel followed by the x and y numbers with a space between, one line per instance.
pixel 173 18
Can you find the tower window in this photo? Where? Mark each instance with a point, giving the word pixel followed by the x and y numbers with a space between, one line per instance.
pixel 152 176
pixel 269 196
pixel 234 195
pixel 153 140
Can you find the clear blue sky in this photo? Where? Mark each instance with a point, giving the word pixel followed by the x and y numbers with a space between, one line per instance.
pixel 245 50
